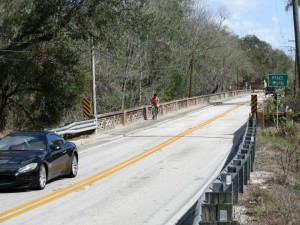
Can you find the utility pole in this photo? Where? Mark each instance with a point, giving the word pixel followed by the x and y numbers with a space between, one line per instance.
pixel 291 49
pixel 297 37
pixel 237 77
pixel 191 75
pixel 94 82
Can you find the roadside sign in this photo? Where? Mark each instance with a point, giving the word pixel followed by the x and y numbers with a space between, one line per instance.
pixel 277 80
pixel 86 107
pixel 253 104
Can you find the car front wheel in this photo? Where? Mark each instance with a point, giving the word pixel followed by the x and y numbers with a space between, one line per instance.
pixel 74 166
pixel 42 178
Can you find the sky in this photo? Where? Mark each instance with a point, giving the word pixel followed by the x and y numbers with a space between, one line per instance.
pixel 266 19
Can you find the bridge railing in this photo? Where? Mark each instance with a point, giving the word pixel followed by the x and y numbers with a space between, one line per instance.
pixel 122 118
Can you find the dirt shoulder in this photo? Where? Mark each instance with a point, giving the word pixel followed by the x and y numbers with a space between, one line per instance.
pixel 272 195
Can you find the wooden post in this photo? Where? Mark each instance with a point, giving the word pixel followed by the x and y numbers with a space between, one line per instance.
pixel 124 119
pixel 145 112
pixel 261 119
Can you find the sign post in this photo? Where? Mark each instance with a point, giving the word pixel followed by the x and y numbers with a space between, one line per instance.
pixel 277 80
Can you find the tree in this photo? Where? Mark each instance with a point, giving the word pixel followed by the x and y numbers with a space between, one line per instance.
pixel 264 59
pixel 259 53
pixel 164 46
pixel 42 72
pixel 36 62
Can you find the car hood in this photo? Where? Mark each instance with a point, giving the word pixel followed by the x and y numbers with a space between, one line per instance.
pixel 16 159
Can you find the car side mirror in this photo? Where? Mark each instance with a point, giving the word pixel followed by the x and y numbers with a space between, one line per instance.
pixel 55 146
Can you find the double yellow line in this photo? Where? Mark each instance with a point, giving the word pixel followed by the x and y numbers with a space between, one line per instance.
pixel 14 212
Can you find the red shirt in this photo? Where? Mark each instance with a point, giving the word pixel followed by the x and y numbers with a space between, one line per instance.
pixel 154 100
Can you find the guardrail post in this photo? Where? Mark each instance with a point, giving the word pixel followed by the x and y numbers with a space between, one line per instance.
pixel 161 109
pixel 246 167
pixel 240 172
pixel 226 178
pixel 251 157
pixel 217 208
pixel 209 214
pixel 234 182
pixel 145 112
pixel 225 207
pixel 260 119
pixel 124 118
pixel 217 186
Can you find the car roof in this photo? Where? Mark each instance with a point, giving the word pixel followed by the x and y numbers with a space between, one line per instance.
pixel 19 133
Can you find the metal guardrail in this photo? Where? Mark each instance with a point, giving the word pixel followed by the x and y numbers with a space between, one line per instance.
pixel 217 206
pixel 77 127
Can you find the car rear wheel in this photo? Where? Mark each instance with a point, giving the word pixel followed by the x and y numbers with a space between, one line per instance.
pixel 42 178
pixel 74 166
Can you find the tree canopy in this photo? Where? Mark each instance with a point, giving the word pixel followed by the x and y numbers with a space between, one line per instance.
pixel 169 47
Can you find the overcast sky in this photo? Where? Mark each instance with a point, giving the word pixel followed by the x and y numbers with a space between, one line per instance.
pixel 266 19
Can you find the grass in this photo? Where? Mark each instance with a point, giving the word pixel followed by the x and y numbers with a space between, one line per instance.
pixel 256 211
pixel 277 200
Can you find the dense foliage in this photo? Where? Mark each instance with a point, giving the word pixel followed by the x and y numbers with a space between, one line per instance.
pixel 172 47
pixel 264 60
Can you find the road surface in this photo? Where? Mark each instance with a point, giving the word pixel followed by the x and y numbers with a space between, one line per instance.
pixel 147 177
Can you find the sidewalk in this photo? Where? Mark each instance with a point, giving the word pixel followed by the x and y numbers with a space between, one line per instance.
pixel 113 134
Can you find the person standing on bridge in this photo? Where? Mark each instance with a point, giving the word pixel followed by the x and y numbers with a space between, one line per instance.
pixel 154 102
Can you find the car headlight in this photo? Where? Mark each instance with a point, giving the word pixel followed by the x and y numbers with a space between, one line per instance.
pixel 28 167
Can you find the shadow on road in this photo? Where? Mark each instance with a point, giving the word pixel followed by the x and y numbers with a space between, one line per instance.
pixel 192 215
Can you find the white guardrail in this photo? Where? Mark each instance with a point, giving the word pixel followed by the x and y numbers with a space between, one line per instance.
pixel 77 127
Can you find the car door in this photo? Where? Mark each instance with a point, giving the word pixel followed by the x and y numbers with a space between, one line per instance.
pixel 58 155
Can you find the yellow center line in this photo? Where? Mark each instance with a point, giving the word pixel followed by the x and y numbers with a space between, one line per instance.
pixel 16 211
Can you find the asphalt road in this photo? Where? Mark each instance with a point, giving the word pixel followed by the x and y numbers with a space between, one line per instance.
pixel 146 174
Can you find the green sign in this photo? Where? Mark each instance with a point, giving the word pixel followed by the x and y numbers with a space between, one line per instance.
pixel 277 80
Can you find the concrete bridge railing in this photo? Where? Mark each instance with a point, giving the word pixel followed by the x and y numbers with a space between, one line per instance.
pixel 119 119
pixel 122 118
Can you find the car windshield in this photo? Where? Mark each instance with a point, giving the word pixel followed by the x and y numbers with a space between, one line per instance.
pixel 22 142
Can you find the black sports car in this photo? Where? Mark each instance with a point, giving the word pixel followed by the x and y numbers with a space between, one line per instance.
pixel 30 159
